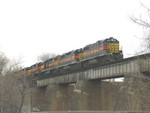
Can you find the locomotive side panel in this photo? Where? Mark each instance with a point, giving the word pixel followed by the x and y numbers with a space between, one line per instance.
pixel 94 50
pixel 50 63
pixel 68 58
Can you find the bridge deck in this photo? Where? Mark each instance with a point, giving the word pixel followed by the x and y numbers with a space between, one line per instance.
pixel 117 69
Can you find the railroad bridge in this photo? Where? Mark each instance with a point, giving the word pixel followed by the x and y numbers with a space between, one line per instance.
pixel 92 89
pixel 113 70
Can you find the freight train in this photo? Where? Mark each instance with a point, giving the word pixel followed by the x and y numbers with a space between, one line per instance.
pixel 90 56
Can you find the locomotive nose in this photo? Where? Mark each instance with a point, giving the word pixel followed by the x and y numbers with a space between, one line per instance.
pixel 113 48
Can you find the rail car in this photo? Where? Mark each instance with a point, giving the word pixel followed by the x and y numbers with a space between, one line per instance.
pixel 91 55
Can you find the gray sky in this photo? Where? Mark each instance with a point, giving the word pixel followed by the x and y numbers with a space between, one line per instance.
pixel 30 27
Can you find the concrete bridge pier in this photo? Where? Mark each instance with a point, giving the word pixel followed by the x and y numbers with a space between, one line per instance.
pixel 80 97
pixel 94 95
pixel 34 97
pixel 57 97
pixel 37 97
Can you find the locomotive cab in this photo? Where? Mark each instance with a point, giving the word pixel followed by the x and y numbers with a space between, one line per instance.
pixel 112 45
pixel 113 48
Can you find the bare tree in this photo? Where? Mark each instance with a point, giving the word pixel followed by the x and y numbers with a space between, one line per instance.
pixel 143 80
pixel 134 93
pixel 45 56
pixel 3 62
pixel 21 88
pixel 12 89
pixel 13 93
pixel 144 21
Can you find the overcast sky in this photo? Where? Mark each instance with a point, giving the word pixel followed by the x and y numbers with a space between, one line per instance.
pixel 31 27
